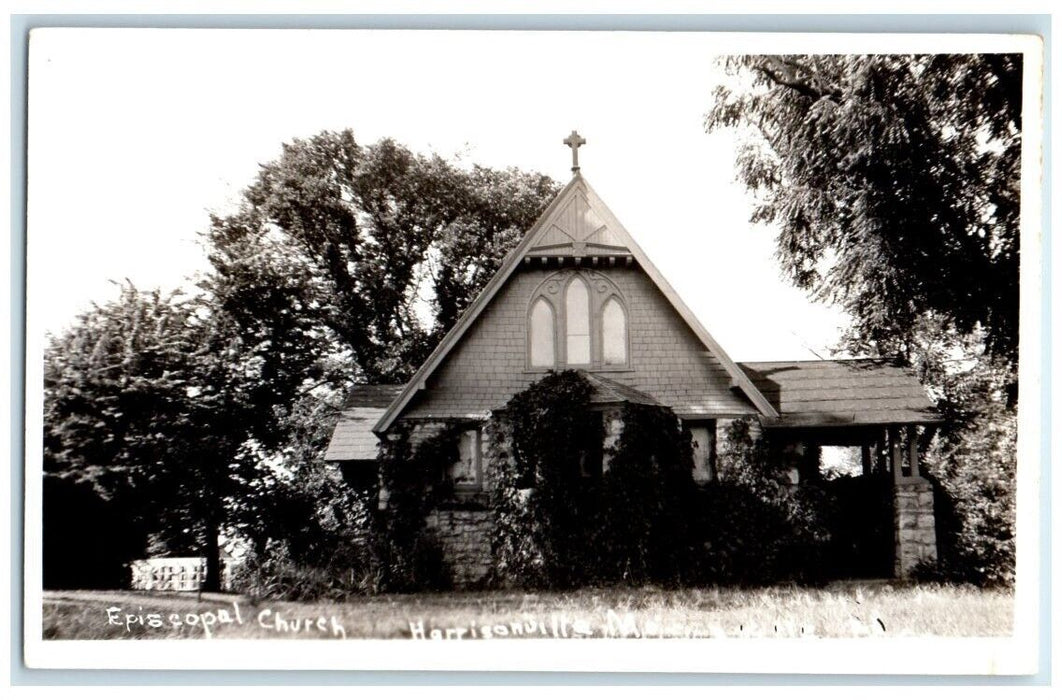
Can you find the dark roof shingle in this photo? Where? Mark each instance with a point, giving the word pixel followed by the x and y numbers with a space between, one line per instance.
pixel 372 395
pixel 353 438
pixel 605 390
pixel 842 392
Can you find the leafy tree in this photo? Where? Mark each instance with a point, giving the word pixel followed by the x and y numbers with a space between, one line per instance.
pixel 164 405
pixel 388 247
pixel 343 263
pixel 894 185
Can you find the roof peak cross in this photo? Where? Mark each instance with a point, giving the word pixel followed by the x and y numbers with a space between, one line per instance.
pixel 574 140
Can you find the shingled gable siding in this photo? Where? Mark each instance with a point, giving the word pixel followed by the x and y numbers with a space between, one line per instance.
pixel 489 365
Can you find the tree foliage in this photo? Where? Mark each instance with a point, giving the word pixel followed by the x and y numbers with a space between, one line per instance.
pixel 149 399
pixel 381 248
pixel 894 185
pixel 342 263
pixel 171 407
pixel 541 509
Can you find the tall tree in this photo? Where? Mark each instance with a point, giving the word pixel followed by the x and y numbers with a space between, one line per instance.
pixel 390 246
pixel 165 405
pixel 343 263
pixel 894 185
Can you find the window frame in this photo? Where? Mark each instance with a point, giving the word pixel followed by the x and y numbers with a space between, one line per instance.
pixel 590 330
pixel 608 297
pixel 477 466
pixel 553 290
pixel 554 315
pixel 711 450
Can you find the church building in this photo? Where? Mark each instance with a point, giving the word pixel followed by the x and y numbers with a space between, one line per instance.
pixel 578 292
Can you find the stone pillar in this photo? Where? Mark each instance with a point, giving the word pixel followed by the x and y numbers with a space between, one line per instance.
pixel 915 524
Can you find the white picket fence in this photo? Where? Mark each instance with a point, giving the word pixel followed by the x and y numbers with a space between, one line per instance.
pixel 175 573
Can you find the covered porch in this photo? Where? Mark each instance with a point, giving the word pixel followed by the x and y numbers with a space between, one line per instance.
pixel 878 407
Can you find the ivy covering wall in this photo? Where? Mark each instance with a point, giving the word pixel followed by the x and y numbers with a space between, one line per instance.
pixel 568 512
pixel 560 521
pixel 543 507
pixel 412 470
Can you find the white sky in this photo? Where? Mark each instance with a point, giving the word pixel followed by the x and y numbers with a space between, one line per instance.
pixel 135 135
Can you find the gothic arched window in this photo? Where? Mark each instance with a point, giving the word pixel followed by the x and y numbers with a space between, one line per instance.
pixel 542 344
pixel 577 322
pixel 578 318
pixel 613 333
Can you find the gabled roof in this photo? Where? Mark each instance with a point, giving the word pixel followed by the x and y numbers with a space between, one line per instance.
pixel 609 391
pixel 575 223
pixel 353 438
pixel 372 395
pixel 605 391
pixel 842 392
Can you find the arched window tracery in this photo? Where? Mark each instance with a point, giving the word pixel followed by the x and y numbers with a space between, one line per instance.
pixel 578 318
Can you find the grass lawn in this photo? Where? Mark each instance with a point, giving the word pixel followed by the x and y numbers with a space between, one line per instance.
pixel 840 610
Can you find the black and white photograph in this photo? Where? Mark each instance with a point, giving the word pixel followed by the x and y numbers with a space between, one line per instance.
pixel 671 351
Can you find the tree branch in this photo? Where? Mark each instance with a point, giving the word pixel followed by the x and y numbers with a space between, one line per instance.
pixel 791 81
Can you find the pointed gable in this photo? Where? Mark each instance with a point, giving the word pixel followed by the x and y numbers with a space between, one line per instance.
pixel 576 227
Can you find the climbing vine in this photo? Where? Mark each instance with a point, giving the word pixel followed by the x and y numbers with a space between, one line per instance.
pixel 644 532
pixel 412 484
pixel 538 449
pixel 561 518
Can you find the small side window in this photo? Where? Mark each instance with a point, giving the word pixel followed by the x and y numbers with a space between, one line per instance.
pixel 702 439
pixel 467 473
pixel 613 333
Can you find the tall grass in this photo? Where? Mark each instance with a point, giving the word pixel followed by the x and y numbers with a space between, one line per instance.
pixel 837 611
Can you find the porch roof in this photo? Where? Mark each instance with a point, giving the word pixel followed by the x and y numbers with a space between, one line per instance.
pixel 605 391
pixel 353 438
pixel 829 393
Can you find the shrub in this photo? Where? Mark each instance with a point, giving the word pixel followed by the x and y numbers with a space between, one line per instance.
pixel 537 445
pixel 644 532
pixel 276 574
pixel 974 469
pixel 757 526
pixel 314 539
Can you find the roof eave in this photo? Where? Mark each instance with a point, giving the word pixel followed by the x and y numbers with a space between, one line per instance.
pixel 509 265
pixel 737 376
pixel 512 262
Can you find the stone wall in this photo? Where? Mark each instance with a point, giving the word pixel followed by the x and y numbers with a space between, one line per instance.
pixel 464 536
pixel 916 531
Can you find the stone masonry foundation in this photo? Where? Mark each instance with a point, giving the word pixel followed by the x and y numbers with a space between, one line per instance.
pixel 464 537
pixel 915 524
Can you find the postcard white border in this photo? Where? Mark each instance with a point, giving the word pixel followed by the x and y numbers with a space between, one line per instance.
pixel 1018 654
